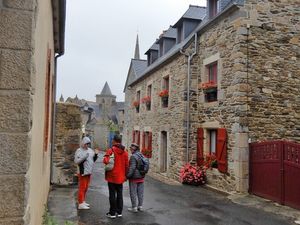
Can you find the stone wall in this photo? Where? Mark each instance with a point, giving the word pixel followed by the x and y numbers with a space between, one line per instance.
pixel 24 162
pixel 219 43
pixel 67 141
pixel 158 119
pixel 257 50
pixel 274 70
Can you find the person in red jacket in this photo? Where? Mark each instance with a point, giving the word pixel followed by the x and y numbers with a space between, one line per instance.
pixel 116 177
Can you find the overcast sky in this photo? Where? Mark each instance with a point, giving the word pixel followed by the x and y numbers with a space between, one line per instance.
pixel 100 40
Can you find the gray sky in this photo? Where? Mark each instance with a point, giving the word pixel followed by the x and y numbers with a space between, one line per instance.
pixel 100 41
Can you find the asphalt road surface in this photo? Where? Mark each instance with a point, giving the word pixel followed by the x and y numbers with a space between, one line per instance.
pixel 173 205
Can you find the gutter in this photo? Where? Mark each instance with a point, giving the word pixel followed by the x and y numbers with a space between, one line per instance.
pixel 190 57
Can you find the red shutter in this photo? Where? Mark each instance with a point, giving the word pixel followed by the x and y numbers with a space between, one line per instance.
pixel 138 138
pixel 143 141
pixel 150 141
pixel 200 153
pixel 222 150
pixel 133 136
pixel 150 144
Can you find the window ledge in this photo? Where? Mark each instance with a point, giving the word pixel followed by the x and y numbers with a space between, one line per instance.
pixel 210 104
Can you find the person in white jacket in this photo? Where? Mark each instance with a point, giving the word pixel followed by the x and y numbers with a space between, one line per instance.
pixel 84 158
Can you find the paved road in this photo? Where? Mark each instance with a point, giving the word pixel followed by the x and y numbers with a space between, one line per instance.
pixel 173 205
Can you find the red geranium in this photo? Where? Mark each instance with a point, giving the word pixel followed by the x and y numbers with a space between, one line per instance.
pixel 146 99
pixel 192 174
pixel 135 103
pixel 210 84
pixel 164 93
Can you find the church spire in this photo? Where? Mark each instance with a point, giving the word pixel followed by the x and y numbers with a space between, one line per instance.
pixel 137 48
pixel 106 90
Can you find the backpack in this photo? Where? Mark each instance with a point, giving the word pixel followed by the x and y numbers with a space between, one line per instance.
pixel 111 163
pixel 143 164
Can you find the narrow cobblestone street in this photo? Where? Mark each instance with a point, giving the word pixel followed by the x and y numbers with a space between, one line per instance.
pixel 175 205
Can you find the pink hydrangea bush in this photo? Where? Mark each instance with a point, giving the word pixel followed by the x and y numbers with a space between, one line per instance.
pixel 192 174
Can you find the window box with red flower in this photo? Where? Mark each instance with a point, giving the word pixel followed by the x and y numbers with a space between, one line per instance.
pixel 210 161
pixel 147 101
pixel 164 94
pixel 136 105
pixel 210 91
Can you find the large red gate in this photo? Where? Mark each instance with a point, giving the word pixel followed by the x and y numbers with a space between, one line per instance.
pixel 275 171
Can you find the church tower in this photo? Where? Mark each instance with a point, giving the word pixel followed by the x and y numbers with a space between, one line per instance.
pixel 106 98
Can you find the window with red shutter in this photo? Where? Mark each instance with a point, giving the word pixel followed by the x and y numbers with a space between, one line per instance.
pixel 211 92
pixel 138 138
pixel 222 150
pixel 143 141
pixel 200 154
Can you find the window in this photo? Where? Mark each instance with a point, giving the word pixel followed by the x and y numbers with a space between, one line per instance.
pixel 216 144
pixel 136 136
pixel 210 90
pixel 138 100
pixel 149 95
pixel 214 8
pixel 147 144
pixel 212 141
pixel 164 94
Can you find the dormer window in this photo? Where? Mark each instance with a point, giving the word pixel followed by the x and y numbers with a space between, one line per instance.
pixel 214 8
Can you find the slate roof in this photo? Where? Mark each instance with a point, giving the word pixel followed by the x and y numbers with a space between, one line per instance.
pixel 106 90
pixel 153 47
pixel 170 33
pixel 139 66
pixel 194 12
pixel 176 49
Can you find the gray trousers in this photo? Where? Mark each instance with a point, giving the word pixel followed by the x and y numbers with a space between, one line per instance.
pixel 136 191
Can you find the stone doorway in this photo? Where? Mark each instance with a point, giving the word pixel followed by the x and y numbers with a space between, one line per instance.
pixel 164 152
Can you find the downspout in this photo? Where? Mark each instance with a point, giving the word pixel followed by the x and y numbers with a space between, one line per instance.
pixel 190 57
pixel 53 116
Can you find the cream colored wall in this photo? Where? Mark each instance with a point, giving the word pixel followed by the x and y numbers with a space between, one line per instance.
pixel 38 174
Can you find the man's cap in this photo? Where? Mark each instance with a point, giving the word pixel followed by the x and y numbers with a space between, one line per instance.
pixel 86 140
pixel 135 145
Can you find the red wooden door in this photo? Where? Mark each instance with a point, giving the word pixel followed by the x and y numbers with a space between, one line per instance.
pixel 275 171
pixel 291 168
pixel 265 176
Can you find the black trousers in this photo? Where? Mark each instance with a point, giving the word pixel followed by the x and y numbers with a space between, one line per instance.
pixel 115 198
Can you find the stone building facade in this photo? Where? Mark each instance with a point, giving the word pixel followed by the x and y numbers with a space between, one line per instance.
pixel 240 66
pixel 68 134
pixel 31 35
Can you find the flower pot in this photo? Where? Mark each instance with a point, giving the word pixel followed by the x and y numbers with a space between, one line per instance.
pixel 210 90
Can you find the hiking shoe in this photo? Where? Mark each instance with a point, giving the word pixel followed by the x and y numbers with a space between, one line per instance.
pixel 111 216
pixel 133 209
pixel 119 215
pixel 87 204
pixel 83 206
pixel 140 208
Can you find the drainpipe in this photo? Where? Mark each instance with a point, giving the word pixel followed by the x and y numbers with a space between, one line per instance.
pixel 53 133
pixel 190 57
